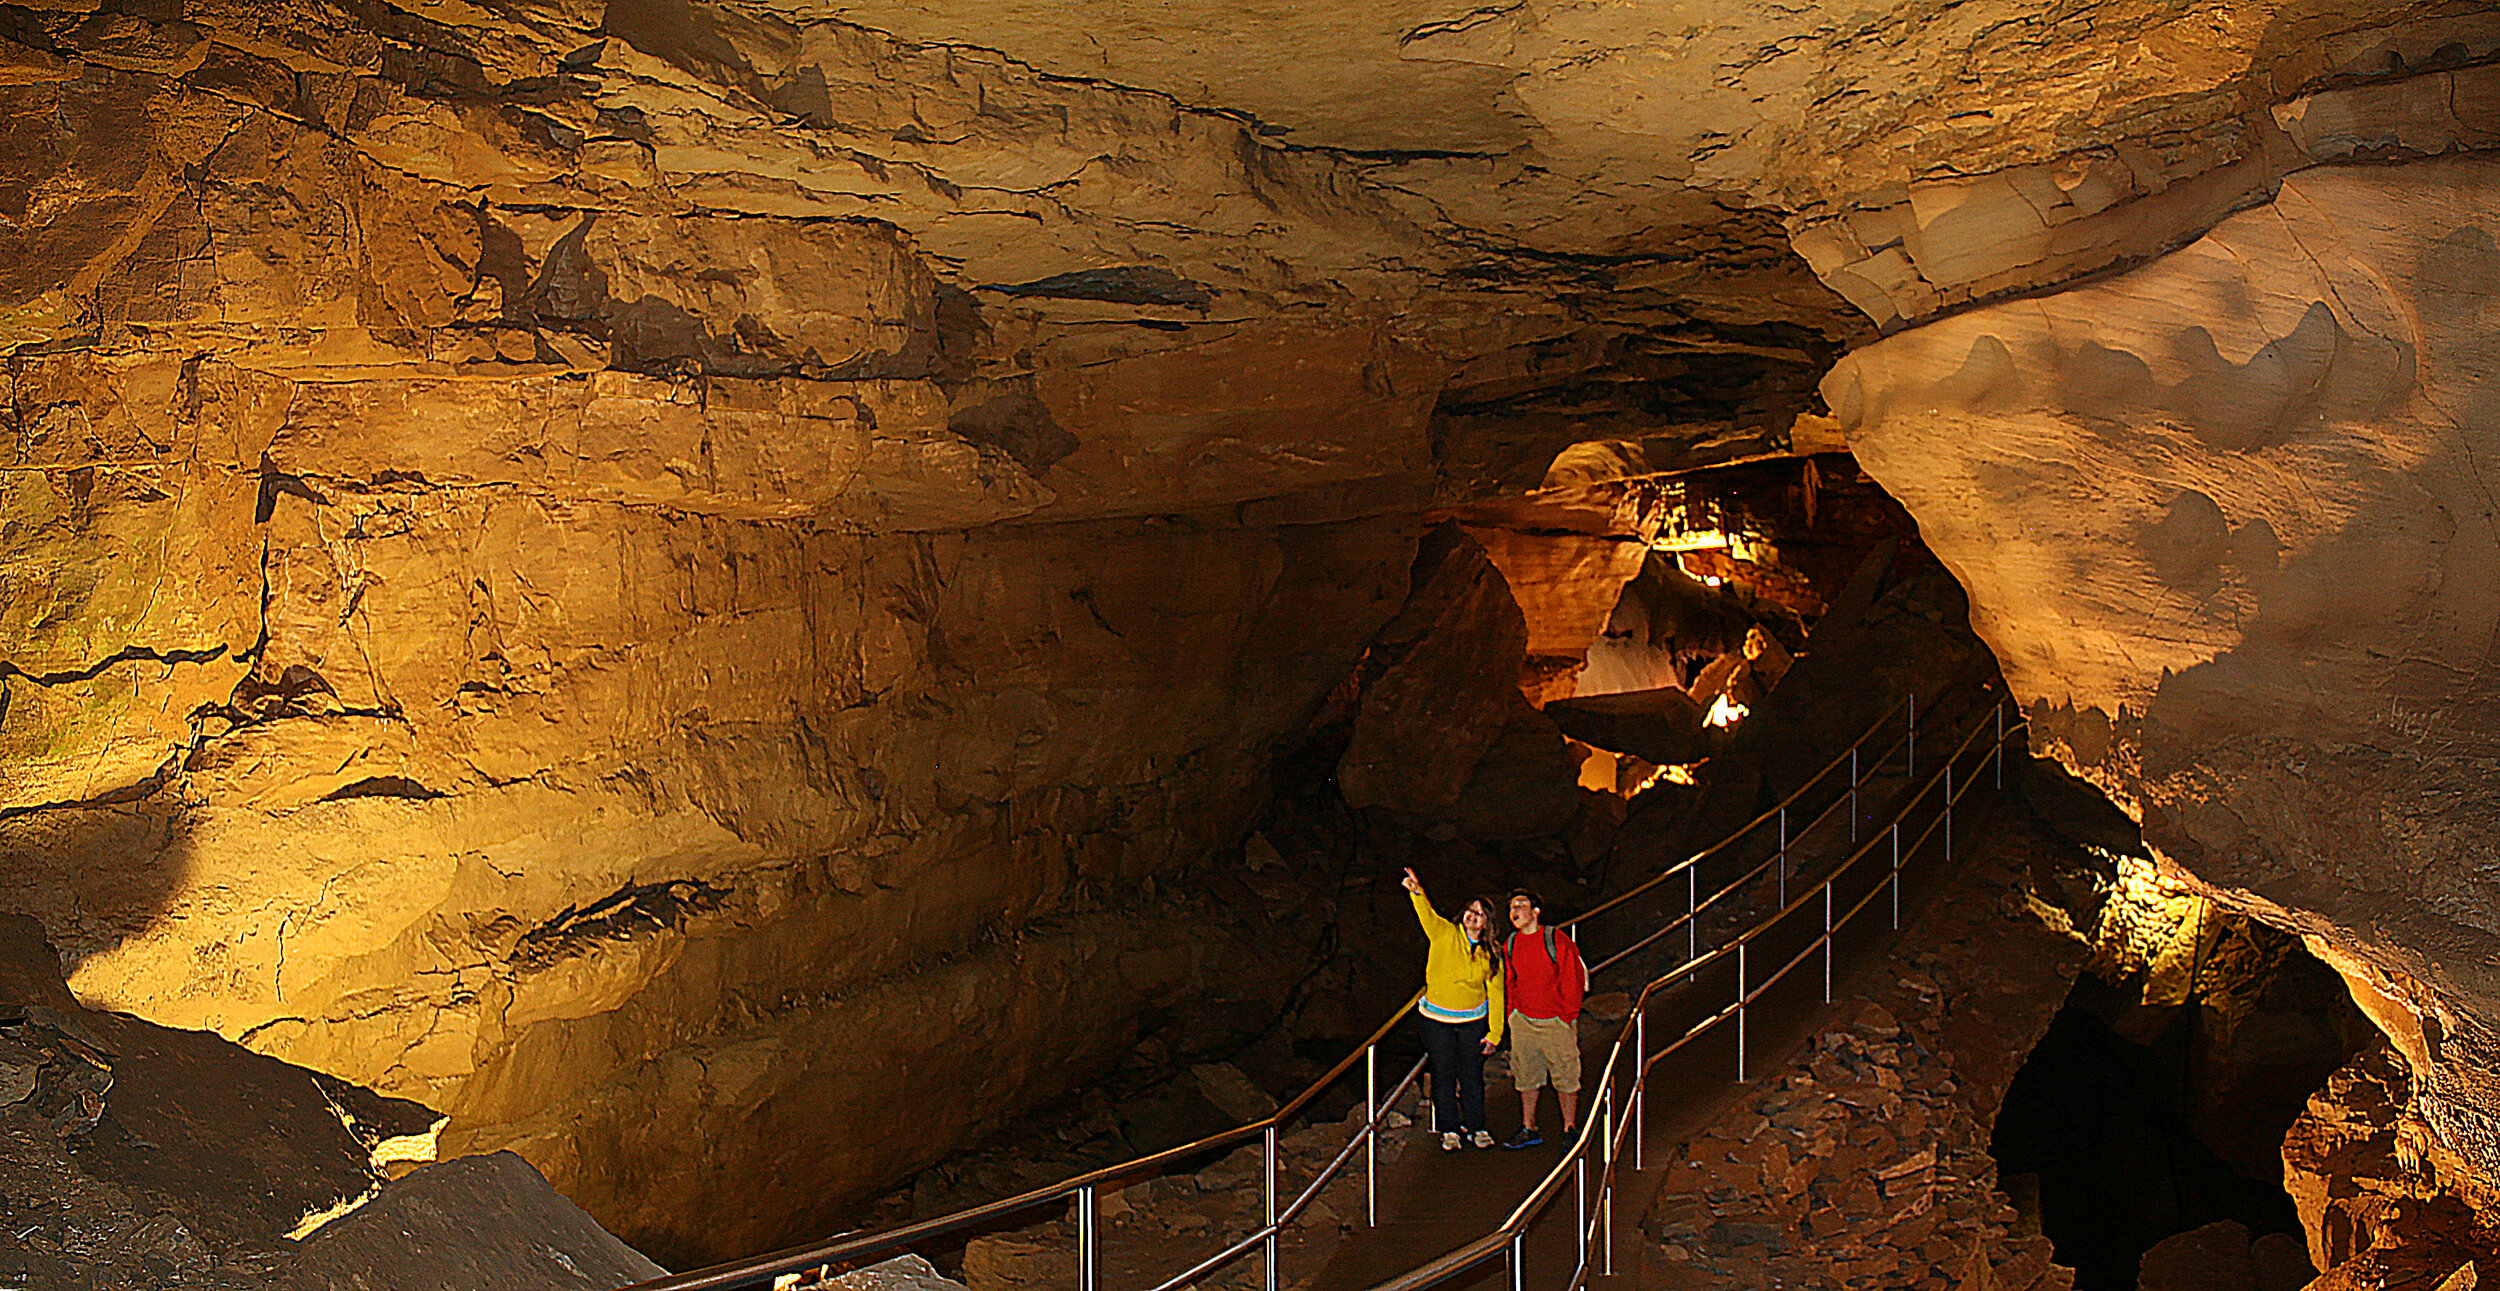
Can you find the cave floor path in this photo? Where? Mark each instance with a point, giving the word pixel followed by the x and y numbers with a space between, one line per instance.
pixel 1432 1202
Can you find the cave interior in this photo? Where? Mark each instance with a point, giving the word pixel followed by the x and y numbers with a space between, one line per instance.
pixel 711 622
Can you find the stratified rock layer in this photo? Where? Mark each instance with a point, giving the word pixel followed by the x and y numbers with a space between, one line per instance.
pixel 2225 520
pixel 633 569
pixel 508 603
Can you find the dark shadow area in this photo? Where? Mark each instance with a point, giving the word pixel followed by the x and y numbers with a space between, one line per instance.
pixel 2136 1120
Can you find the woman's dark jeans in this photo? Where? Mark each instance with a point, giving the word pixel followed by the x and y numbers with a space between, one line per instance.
pixel 1457 1051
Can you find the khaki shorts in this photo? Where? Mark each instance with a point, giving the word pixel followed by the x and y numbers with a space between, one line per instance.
pixel 1544 1051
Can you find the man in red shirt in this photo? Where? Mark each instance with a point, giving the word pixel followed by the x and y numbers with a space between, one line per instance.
pixel 1544 981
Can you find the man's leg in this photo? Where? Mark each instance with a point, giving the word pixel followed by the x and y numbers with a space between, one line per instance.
pixel 1567 1076
pixel 1527 1107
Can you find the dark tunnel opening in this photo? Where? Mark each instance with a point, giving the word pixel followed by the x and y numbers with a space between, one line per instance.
pixel 2143 1135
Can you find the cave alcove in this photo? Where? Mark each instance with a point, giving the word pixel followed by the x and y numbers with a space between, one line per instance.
pixel 2155 1107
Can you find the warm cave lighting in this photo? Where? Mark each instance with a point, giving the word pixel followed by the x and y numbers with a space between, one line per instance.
pixel 2155 924
pixel 1682 773
pixel 1724 713
pixel 1675 539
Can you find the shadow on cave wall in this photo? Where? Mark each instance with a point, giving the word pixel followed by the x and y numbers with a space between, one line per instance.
pixel 98 874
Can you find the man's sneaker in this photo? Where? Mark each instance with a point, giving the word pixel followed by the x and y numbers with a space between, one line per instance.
pixel 1449 1140
pixel 1527 1137
pixel 1482 1139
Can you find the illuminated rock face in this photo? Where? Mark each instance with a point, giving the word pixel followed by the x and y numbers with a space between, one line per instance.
pixel 2225 521
pixel 668 685
pixel 634 570
pixel 594 821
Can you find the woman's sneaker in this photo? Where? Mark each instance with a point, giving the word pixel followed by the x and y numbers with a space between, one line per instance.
pixel 1449 1141
pixel 1482 1139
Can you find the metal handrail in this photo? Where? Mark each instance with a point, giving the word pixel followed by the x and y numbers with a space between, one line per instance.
pixel 1510 1235
pixel 852 1251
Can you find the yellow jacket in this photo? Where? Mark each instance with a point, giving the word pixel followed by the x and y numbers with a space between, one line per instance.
pixel 1461 982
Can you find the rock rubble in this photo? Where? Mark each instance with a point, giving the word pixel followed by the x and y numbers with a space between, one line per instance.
pixel 1863 1161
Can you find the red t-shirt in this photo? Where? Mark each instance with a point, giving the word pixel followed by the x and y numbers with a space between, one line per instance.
pixel 1540 987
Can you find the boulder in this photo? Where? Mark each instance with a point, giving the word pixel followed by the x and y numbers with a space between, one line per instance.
pixel 478 1223
pixel 2212 1258
pixel 183 1136
pixel 1660 725
pixel 1233 1094
pixel 902 1273
pixel 137 1155
pixel 2281 1262
pixel 1441 683
pixel 1002 1263
pixel 1527 785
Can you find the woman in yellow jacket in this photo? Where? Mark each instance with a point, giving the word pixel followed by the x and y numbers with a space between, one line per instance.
pixel 1461 1012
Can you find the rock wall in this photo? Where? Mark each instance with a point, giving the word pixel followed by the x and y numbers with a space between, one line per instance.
pixel 506 603
pixel 2224 521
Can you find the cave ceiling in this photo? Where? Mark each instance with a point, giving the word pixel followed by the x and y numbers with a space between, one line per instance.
pixel 1552 195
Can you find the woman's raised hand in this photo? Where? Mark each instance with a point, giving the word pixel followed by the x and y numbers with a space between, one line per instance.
pixel 1413 884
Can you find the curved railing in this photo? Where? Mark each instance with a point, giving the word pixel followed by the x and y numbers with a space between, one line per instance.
pixel 1606 1128
pixel 766 1271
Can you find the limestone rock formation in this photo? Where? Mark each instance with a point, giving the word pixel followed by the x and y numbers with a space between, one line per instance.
pixel 134 1155
pixel 1441 684
pixel 507 601
pixel 2223 523
pixel 480 1221
pixel 1662 725
pixel 571 560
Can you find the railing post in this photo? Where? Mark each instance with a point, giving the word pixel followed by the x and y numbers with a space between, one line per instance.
pixel 1692 915
pixel 1640 1082
pixel 1371 1135
pixel 1580 1210
pixel 1268 1154
pixel 1606 1186
pixel 1783 857
pixel 1896 876
pixel 1519 1261
pixel 1909 746
pixel 1827 942
pixel 1740 1013
pixel 1088 1240
pixel 1948 809
pixel 1853 793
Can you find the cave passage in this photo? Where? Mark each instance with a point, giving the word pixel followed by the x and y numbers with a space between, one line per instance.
pixel 2136 1119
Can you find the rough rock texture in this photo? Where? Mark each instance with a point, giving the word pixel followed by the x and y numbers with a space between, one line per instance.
pixel 2381 1197
pixel 139 1149
pixel 569 559
pixel 494 614
pixel 1662 725
pixel 480 1221
pixel 2222 520
pixel 1921 156
pixel 1441 730
pixel 139 1156
pixel 1863 1160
